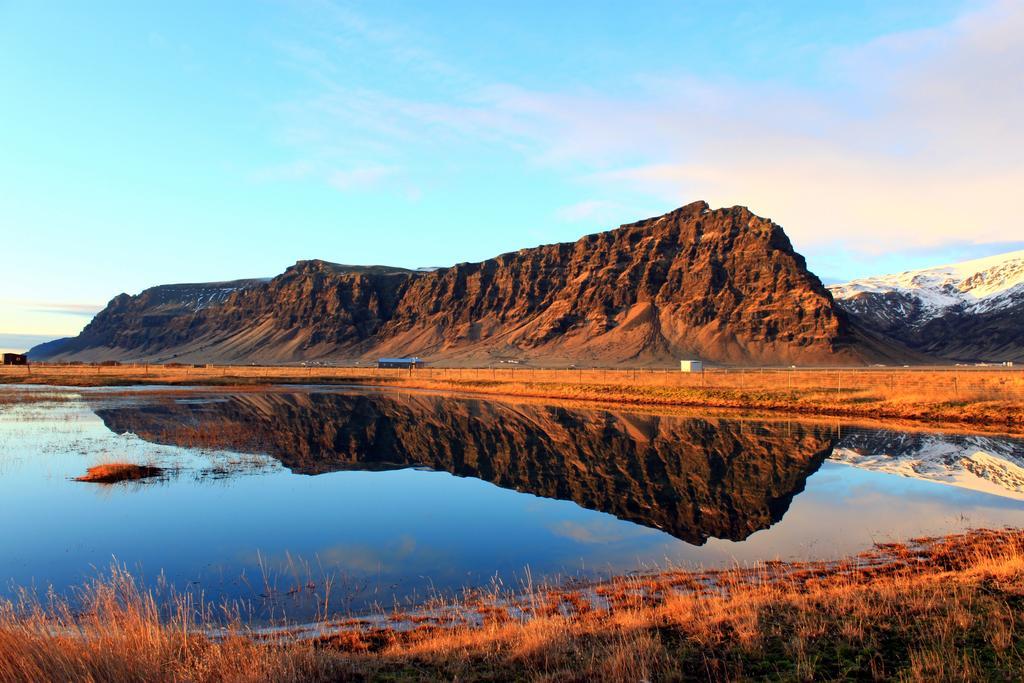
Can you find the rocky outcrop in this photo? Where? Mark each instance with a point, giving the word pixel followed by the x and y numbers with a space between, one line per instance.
pixel 724 285
pixel 694 478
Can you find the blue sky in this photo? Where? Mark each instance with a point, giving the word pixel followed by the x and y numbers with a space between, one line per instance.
pixel 146 143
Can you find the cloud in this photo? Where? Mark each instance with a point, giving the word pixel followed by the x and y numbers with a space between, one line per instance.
pixel 361 177
pixel 397 44
pixel 289 171
pixel 19 343
pixel 917 143
pixel 586 210
pixel 50 307
pixel 595 531
pixel 44 320
pixel 88 310
pixel 912 142
pixel 387 557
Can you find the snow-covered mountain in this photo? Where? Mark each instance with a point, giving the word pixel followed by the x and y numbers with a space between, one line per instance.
pixel 988 464
pixel 976 286
pixel 973 310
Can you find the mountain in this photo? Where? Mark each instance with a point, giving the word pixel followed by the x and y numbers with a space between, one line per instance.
pixel 969 311
pixel 989 464
pixel 723 285
pixel 694 478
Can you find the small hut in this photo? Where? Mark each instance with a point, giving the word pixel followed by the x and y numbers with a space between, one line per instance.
pixel 403 363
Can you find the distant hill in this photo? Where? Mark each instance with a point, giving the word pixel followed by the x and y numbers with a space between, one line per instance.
pixel 973 310
pixel 723 285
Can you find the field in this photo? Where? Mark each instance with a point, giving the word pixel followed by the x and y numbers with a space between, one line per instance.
pixel 980 396
pixel 928 610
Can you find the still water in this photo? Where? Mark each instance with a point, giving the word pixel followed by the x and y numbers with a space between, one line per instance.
pixel 394 496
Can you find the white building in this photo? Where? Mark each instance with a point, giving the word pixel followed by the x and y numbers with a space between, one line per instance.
pixel 691 366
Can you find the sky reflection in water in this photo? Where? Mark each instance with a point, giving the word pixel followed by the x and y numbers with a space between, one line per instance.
pixel 399 494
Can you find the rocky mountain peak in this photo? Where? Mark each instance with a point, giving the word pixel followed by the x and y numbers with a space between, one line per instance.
pixel 972 310
pixel 724 285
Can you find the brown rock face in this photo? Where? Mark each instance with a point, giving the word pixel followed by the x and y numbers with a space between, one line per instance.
pixel 694 478
pixel 723 285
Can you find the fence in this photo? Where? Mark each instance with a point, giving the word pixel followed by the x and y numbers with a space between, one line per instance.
pixel 930 383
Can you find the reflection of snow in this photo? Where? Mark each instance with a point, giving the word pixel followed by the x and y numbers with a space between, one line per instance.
pixel 978 463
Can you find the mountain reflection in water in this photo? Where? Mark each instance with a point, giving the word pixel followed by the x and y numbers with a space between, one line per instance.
pixel 695 478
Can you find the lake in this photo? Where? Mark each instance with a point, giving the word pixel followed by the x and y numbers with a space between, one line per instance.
pixel 392 496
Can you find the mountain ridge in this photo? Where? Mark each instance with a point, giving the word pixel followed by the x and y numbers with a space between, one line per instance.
pixel 724 285
pixel 969 311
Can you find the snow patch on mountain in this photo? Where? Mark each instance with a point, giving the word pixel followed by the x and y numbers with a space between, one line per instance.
pixel 197 296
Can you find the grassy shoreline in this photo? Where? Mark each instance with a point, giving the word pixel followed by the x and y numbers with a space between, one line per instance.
pixel 991 399
pixel 930 609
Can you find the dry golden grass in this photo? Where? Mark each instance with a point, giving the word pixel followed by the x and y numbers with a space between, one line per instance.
pixel 114 472
pixel 976 396
pixel 122 634
pixel 931 610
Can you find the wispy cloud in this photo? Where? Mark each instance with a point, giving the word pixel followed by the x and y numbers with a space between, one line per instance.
pixel 347 27
pixel 289 171
pixel 918 144
pixel 19 343
pixel 915 143
pixel 38 321
pixel 52 307
pixel 596 531
pixel 588 209
pixel 361 177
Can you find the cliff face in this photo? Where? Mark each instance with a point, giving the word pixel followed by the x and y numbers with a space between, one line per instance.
pixel 723 285
pixel 314 308
pixel 693 478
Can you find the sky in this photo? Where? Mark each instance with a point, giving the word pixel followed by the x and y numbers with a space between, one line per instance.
pixel 152 143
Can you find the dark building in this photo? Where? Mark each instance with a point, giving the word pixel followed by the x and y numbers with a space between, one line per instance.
pixel 15 359
pixel 400 363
